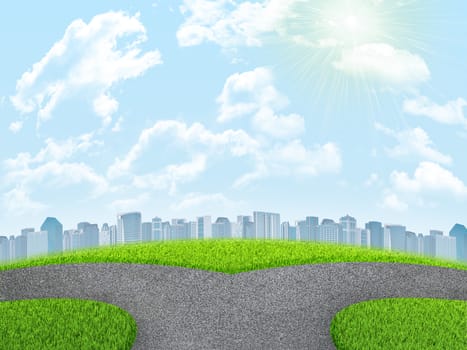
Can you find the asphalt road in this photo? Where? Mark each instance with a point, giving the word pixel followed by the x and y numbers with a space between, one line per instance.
pixel 281 308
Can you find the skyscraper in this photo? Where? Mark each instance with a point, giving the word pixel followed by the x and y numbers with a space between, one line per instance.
pixel 460 232
pixel 4 249
pixel 412 242
pixel 156 229
pixel 376 231
pixel 104 235
pixel 129 227
pixel 204 227
pixel 222 228
pixel 246 227
pixel 349 230
pixel 37 243
pixel 398 237
pixel 54 234
pixel 330 231
pixel 146 231
pixel 267 225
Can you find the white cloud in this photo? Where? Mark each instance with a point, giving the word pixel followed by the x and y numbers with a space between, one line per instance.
pixel 202 200
pixel 385 63
pixel 48 168
pixel 118 125
pixel 429 177
pixel 16 126
pixel 293 158
pixel 372 180
pixel 18 202
pixel 414 142
pixel 238 142
pixel 105 106
pixel 231 24
pixel 130 204
pixel 392 201
pixel 253 94
pixel 172 175
pixel 91 58
pixel 451 113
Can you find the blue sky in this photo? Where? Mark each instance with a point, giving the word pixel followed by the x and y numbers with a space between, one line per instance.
pixel 194 107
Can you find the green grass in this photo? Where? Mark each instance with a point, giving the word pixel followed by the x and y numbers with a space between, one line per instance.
pixel 228 256
pixel 231 256
pixel 402 324
pixel 64 324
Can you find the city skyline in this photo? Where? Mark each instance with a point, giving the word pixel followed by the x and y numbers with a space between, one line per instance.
pixel 195 106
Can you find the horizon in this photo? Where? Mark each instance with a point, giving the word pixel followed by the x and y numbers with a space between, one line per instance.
pixel 199 106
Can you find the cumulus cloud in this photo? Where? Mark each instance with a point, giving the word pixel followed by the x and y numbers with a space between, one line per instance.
pixel 429 177
pixel 393 202
pixel 413 142
pixel 451 113
pixel 16 126
pixel 18 201
pixel 384 63
pixel 253 94
pixel 172 175
pixel 202 200
pixel 92 58
pixel 238 142
pixel 50 168
pixel 229 23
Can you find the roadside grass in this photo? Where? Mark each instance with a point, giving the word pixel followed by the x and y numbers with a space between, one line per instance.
pixel 401 324
pixel 231 256
pixel 65 324
pixel 228 256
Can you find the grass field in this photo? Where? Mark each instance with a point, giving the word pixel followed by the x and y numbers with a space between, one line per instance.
pixel 228 256
pixel 64 324
pixel 401 324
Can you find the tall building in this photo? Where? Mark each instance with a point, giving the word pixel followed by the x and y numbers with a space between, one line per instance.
pixel 4 249
pixel 37 243
pixel 204 227
pixel 444 246
pixel 288 232
pixel 129 227
pixel 146 231
pixel 397 237
pixel 222 228
pixel 11 248
pixel 412 242
pixel 21 247
pixel 89 234
pixel 302 230
pixel 267 225
pixel 73 240
pixel 460 232
pixel 24 231
pixel 246 227
pixel 54 234
pixel 104 235
pixel 156 229
pixel 330 231
pixel 166 230
pixel 113 234
pixel 349 230
pixel 376 232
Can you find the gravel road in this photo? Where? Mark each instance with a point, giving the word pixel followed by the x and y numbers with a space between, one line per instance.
pixel 280 308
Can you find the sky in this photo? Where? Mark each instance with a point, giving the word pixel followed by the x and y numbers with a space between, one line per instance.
pixel 195 107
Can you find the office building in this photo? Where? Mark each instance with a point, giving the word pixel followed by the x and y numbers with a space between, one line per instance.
pixel 156 234
pixel 246 227
pixel 288 232
pixel 397 237
pixel 330 231
pixel 349 230
pixel 412 242
pixel 222 228
pixel 460 233
pixel 4 249
pixel 54 230
pixel 21 247
pixel 104 235
pixel 146 231
pixel 38 243
pixel 267 225
pixel 129 227
pixel 376 233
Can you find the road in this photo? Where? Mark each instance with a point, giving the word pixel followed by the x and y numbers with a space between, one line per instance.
pixel 280 308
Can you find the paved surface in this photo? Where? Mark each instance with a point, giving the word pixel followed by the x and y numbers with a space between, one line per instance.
pixel 281 308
